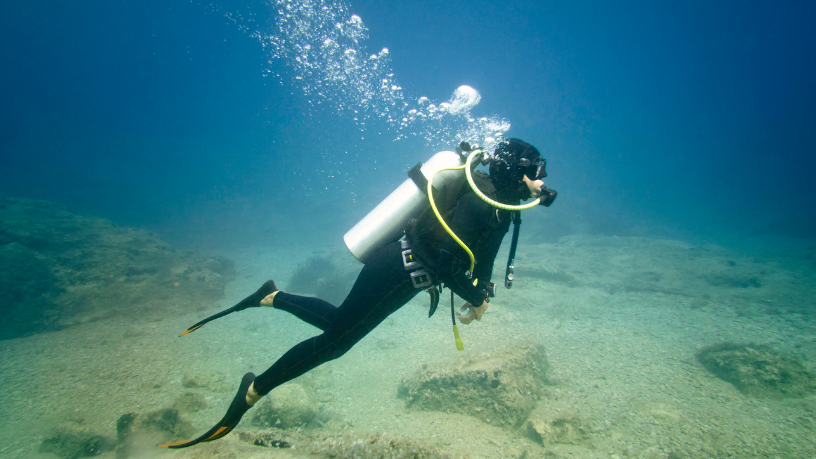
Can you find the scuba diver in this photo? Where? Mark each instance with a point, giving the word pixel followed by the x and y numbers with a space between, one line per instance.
pixel 464 224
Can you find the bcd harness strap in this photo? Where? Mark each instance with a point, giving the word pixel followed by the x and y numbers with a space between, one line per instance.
pixel 420 276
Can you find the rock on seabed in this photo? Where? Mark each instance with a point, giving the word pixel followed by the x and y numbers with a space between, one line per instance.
pixel 500 387
pixel 758 370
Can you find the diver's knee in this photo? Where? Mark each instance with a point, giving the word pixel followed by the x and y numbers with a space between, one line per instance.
pixel 330 347
pixel 338 350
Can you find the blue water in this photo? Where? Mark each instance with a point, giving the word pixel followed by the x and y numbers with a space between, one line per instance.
pixel 689 119
pixel 679 136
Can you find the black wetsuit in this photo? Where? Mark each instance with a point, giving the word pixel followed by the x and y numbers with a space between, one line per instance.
pixel 384 286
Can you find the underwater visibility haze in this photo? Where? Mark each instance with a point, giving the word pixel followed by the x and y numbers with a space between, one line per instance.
pixel 162 160
pixel 687 117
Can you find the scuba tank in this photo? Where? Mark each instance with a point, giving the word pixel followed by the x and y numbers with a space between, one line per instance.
pixel 387 221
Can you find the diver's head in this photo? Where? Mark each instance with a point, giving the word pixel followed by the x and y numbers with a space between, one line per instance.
pixel 512 162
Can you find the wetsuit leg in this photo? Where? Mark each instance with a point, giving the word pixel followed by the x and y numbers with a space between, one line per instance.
pixel 313 311
pixel 382 287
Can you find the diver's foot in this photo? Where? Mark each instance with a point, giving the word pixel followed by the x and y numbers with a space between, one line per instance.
pixel 252 395
pixel 257 298
pixel 235 412
pixel 268 299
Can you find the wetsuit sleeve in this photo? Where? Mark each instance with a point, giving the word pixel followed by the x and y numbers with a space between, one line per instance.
pixel 484 269
pixel 470 219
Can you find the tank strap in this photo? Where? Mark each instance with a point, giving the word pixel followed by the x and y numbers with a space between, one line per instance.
pixel 415 174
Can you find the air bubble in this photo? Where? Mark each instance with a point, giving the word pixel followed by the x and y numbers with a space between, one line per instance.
pixel 308 37
pixel 463 99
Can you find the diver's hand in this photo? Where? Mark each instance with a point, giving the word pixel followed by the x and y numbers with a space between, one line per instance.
pixel 534 186
pixel 474 313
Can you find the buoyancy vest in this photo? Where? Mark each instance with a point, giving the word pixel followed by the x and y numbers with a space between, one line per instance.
pixel 427 235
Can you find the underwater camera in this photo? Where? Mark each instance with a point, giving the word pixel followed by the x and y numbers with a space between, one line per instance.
pixel 547 196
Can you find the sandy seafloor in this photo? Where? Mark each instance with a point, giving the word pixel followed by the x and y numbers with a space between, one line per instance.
pixel 621 319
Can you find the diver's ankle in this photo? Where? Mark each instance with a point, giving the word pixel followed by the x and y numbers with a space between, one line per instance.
pixel 268 299
pixel 252 396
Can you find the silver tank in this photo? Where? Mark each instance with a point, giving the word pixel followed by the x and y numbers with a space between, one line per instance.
pixel 387 221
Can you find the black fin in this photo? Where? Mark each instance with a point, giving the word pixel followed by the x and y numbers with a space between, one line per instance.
pixel 251 301
pixel 234 414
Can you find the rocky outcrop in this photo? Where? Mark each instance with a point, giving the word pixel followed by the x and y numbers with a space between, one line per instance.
pixel 289 405
pixel 70 441
pixel 499 387
pixel 58 269
pixel 758 370
pixel 137 434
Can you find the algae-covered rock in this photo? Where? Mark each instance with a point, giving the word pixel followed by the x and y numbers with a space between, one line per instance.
pixel 73 442
pixel 499 387
pixel 289 405
pixel 59 269
pixel 143 431
pixel 758 370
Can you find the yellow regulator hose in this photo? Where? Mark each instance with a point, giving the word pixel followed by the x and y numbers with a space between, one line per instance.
pixel 479 193
pixel 469 175
pixel 442 220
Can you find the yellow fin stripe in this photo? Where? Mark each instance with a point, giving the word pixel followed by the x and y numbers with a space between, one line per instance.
pixel 191 330
pixel 216 434
pixel 173 443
